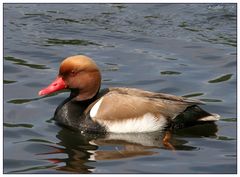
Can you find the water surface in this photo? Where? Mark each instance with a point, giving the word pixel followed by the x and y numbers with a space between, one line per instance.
pixel 182 49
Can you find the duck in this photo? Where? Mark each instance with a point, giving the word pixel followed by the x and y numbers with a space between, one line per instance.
pixel 118 109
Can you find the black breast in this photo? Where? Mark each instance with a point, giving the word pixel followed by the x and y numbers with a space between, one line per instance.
pixel 71 114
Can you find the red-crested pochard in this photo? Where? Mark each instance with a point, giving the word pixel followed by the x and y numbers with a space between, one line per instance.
pixel 119 110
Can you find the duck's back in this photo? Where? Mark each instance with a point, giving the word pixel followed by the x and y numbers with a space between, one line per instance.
pixel 135 110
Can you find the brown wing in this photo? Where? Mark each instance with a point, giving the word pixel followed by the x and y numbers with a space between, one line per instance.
pixel 124 103
pixel 154 95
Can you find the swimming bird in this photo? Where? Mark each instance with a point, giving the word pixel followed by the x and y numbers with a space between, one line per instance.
pixel 117 109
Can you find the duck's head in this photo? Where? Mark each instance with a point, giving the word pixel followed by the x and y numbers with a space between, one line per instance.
pixel 78 73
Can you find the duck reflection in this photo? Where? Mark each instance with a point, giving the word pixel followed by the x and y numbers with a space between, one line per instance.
pixel 83 148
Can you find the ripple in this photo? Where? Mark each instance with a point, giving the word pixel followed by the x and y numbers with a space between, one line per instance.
pixel 21 101
pixel 37 141
pixel 221 78
pixel 108 13
pixel 35 14
pixel 10 125
pixel 8 81
pixel 229 120
pixel 170 58
pixel 26 100
pixel 151 17
pixel 225 138
pixel 193 94
pixel 111 67
pixel 22 62
pixel 219 40
pixel 70 42
pixel 192 29
pixel 120 6
pixel 185 26
pixel 231 155
pixel 67 20
pixel 170 73
pixel 52 11
pixel 210 100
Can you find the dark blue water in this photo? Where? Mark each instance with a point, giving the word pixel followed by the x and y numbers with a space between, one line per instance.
pixel 181 49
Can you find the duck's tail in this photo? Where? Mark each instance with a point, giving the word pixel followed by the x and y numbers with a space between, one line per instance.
pixel 194 115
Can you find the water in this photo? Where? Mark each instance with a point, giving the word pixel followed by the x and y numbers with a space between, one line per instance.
pixel 182 49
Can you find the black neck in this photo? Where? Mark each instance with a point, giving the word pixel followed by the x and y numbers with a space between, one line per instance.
pixel 71 112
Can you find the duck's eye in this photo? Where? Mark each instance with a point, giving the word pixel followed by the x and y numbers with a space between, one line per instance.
pixel 73 72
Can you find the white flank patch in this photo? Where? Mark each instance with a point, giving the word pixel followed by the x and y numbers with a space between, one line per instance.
pixel 214 117
pixel 146 123
pixel 95 108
